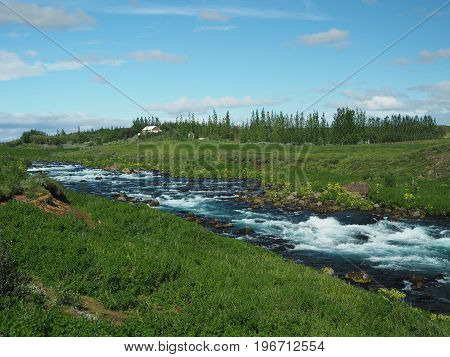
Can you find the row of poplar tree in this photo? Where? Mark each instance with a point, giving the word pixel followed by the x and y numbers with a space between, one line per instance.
pixel 348 126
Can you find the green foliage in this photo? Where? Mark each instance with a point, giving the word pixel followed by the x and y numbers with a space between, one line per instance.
pixel 11 281
pixel 12 172
pixel 389 180
pixel 335 192
pixel 392 294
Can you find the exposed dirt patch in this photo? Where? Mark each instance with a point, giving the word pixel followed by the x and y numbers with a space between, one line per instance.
pixel 52 205
pixel 90 307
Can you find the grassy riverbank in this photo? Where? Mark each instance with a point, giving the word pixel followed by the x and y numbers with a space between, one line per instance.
pixel 75 265
pixel 408 175
pixel 118 269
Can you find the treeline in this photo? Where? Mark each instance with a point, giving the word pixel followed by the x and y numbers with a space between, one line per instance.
pixel 92 137
pixel 348 126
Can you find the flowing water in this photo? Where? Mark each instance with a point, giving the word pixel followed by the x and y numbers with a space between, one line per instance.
pixel 391 251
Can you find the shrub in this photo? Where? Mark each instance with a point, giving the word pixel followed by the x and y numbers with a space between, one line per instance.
pixel 389 180
pixel 11 281
pixel 392 294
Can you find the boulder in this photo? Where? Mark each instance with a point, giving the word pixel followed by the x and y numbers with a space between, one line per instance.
pixel 292 197
pixel 113 167
pixel 190 217
pixel 98 178
pixel 359 188
pixel 417 214
pixel 122 197
pixel 244 231
pixel 360 277
pixel 152 202
pixel 222 225
pixel 327 270
pixel 200 220
pixel 418 281
pixel 126 171
pixel 376 206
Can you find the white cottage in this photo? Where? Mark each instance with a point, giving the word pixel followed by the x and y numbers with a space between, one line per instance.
pixel 151 129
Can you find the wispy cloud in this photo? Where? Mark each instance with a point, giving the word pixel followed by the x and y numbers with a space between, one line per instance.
pixel 215 28
pixel 223 11
pixel 430 99
pixel 48 17
pixel 31 53
pixel 428 56
pixel 333 37
pixel 213 15
pixel 425 56
pixel 13 67
pixel 157 55
pixel 13 124
pixel 185 105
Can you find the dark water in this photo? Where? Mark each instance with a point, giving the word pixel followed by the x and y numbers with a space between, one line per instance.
pixel 391 251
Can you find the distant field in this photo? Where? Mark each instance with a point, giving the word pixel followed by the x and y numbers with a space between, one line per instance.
pixel 407 174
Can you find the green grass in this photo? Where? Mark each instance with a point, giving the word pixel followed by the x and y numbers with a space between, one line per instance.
pixel 408 174
pixel 175 278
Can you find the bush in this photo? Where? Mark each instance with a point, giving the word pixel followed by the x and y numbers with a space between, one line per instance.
pixel 11 281
pixel 389 180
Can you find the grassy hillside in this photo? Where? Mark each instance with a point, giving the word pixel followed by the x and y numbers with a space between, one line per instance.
pixel 410 175
pixel 118 269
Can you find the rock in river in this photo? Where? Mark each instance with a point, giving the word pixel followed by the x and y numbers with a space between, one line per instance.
pixel 327 270
pixel 360 277
pixel 152 202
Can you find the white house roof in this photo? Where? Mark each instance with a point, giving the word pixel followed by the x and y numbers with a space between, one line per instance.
pixel 150 128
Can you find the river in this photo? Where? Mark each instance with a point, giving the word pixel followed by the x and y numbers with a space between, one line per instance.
pixel 391 251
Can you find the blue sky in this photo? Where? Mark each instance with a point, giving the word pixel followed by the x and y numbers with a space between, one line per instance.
pixel 174 57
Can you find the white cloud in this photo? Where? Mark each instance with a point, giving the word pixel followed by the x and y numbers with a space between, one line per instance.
pixel 13 124
pixel 213 15
pixel 428 56
pixel 402 61
pixel 71 65
pixel 425 56
pixel 382 102
pixel 226 11
pixel 215 28
pixel 49 17
pixel 436 89
pixel 91 42
pixel 13 35
pixel 31 53
pixel 425 99
pixel 13 67
pixel 157 55
pixel 185 105
pixel 333 37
